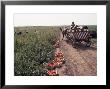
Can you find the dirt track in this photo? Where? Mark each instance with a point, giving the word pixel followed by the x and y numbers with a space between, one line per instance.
pixel 79 61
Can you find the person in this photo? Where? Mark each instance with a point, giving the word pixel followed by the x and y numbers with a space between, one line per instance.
pixel 64 31
pixel 73 26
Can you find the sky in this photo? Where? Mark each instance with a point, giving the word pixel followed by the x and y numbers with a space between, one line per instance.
pixel 42 19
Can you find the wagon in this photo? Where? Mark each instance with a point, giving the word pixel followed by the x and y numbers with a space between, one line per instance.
pixel 78 36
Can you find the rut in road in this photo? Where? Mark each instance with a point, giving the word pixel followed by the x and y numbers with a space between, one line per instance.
pixel 79 62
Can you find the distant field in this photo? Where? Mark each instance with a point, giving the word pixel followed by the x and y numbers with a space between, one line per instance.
pixel 92 27
pixel 32 48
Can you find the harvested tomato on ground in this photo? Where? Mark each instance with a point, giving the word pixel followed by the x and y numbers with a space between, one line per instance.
pixel 59 55
pixel 52 72
pixel 50 64
pixel 57 62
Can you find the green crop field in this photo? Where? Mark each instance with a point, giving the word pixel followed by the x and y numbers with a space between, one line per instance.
pixel 32 48
pixel 93 28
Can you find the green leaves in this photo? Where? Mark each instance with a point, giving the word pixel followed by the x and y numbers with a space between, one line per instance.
pixel 32 49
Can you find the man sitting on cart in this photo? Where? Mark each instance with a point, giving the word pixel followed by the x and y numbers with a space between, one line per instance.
pixel 73 26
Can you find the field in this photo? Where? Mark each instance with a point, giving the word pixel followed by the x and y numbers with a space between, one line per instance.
pixel 34 46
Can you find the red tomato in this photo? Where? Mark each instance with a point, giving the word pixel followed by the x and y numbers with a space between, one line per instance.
pixel 52 72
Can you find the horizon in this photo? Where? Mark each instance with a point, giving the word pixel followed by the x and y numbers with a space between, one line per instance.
pixel 51 25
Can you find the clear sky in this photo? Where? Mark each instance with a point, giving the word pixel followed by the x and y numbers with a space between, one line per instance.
pixel 54 19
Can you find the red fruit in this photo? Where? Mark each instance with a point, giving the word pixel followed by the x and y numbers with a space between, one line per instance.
pixel 51 64
pixel 52 72
pixel 59 54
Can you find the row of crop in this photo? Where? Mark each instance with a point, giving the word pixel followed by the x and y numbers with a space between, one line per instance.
pixel 32 50
pixel 57 62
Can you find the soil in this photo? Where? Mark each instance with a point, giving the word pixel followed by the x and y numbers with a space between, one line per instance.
pixel 79 61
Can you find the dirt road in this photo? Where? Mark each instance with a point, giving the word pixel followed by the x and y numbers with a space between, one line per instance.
pixel 79 61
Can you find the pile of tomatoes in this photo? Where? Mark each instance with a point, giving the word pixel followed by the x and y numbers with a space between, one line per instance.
pixel 57 62
pixel 52 72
